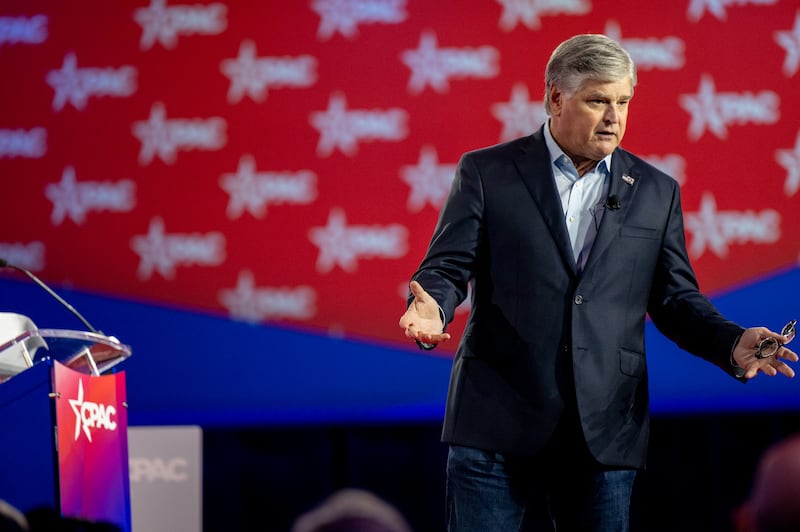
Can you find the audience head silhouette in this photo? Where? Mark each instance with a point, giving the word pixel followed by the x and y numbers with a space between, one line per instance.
pixel 352 510
pixel 774 502
pixel 11 519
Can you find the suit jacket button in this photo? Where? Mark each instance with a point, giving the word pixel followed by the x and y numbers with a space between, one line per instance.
pixel 579 299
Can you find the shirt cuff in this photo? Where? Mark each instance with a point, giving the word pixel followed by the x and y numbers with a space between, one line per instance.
pixel 737 371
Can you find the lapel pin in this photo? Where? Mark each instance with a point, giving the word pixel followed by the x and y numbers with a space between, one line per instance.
pixel 628 179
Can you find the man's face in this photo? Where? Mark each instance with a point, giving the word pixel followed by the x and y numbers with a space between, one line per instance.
pixel 590 123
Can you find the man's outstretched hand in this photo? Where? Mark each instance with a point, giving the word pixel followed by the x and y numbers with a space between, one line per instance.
pixel 744 354
pixel 423 321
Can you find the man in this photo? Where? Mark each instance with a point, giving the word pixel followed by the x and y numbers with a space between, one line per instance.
pixel 568 241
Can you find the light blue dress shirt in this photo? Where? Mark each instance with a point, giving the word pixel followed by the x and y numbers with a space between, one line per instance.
pixel 581 197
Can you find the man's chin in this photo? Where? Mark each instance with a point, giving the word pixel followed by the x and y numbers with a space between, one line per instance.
pixel 604 148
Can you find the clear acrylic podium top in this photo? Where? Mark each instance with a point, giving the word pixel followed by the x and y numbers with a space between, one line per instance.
pixel 87 352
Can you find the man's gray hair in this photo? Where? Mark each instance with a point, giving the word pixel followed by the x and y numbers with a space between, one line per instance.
pixel 586 57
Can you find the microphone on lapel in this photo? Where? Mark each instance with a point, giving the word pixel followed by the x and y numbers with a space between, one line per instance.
pixel 613 203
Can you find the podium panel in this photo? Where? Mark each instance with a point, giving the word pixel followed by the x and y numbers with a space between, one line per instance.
pixel 29 473
pixel 68 447
pixel 92 444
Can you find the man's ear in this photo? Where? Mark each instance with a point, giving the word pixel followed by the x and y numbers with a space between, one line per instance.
pixel 556 98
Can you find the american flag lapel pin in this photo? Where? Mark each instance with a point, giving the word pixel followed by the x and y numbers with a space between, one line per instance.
pixel 628 179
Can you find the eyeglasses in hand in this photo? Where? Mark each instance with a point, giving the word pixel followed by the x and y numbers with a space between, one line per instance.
pixel 770 346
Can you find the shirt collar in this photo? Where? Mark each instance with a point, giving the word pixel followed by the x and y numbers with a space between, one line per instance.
pixel 556 152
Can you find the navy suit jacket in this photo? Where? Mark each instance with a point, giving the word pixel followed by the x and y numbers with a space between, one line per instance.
pixel 540 332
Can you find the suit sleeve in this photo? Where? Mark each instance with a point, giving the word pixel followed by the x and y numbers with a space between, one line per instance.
pixel 677 307
pixel 453 251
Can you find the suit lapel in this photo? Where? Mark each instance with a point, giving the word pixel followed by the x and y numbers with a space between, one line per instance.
pixel 623 185
pixel 533 164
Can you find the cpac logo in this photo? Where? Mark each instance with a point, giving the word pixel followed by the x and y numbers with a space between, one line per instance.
pixel 29 256
pixel 252 191
pixel 161 252
pixel 253 75
pixel 90 415
pixel 529 11
pixel 31 143
pixel 431 65
pixel 72 199
pixel 666 53
pixel 23 30
pixel 342 245
pixel 429 180
pixel 250 303
pixel 75 85
pixel 344 16
pixel 155 469
pixel 790 41
pixel 164 138
pixel 520 116
pixel 164 24
pixel 716 230
pixel 715 110
pixel 343 129
pixel 790 160
pixel 697 8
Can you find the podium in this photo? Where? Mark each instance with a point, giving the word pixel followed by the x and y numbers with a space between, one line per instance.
pixel 64 416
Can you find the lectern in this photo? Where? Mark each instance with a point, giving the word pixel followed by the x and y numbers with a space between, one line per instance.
pixel 64 425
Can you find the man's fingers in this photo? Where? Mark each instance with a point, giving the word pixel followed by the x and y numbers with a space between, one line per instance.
pixel 417 291
pixel 789 355
pixel 782 366
pixel 425 305
pixel 406 320
pixel 772 367
pixel 433 338
pixel 422 321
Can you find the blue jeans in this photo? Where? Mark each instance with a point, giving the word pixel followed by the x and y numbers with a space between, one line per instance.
pixel 495 492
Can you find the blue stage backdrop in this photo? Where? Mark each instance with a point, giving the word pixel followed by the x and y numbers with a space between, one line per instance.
pixel 192 368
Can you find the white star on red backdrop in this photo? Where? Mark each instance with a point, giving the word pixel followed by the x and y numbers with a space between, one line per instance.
pixel 790 160
pixel 520 116
pixel 429 180
pixel 790 41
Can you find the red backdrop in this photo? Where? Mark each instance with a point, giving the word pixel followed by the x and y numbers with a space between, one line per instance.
pixel 284 162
